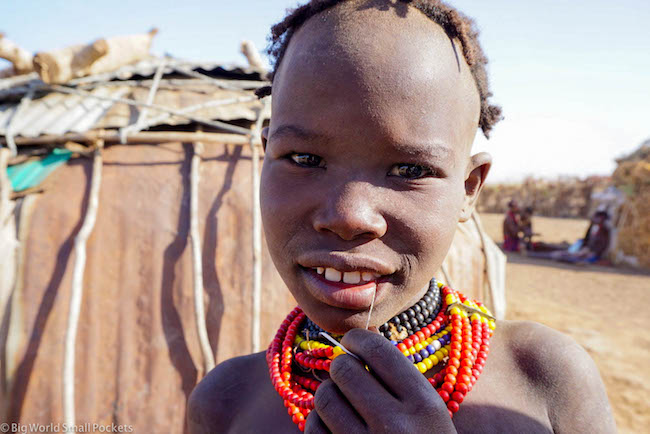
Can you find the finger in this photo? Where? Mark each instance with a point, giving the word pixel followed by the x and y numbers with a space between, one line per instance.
pixel 361 388
pixel 335 411
pixel 314 424
pixel 386 362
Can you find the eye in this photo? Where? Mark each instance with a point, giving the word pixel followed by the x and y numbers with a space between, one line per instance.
pixel 307 160
pixel 410 171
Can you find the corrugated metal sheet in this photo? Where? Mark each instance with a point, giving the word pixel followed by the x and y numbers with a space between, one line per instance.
pixel 59 113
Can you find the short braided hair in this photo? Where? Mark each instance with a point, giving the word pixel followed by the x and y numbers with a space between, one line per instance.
pixel 455 24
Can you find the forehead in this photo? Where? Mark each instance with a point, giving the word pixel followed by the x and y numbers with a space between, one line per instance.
pixel 393 72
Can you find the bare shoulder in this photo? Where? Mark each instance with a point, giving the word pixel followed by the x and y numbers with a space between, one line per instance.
pixel 216 400
pixel 567 377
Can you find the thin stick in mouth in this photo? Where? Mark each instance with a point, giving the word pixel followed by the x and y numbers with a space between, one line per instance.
pixel 374 295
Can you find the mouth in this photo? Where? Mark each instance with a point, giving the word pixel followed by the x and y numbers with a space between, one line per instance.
pixel 352 289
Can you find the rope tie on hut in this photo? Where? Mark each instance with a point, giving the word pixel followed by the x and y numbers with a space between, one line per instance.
pixel 77 287
pixel 197 265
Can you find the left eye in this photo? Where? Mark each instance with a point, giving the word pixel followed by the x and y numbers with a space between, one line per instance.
pixel 410 171
pixel 307 160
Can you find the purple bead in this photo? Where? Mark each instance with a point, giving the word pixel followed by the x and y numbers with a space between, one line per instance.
pixel 393 342
pixel 411 359
pixel 424 353
pixel 417 357
pixel 431 349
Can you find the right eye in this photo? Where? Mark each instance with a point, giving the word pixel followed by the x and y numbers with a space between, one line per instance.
pixel 307 160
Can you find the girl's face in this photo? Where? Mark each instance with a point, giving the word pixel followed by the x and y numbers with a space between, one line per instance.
pixel 367 169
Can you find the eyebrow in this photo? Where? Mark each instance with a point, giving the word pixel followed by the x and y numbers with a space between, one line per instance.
pixel 436 150
pixel 296 131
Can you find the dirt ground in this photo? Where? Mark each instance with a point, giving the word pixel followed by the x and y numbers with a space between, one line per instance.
pixel 600 307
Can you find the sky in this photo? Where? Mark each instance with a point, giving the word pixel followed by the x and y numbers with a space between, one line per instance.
pixel 573 77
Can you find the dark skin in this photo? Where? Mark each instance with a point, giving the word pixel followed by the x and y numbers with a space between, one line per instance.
pixel 368 167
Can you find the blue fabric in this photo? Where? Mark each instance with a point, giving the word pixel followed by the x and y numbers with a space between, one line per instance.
pixel 32 173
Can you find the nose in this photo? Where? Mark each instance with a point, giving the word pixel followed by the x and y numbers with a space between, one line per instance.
pixel 351 211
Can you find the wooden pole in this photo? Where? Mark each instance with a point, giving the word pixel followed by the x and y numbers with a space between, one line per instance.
pixel 144 137
pixel 197 257
pixel 257 230
pixel 76 295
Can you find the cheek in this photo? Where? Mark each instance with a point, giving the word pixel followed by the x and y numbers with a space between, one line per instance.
pixel 431 224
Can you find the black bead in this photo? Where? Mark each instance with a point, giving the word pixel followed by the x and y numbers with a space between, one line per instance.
pixel 404 317
pixel 400 328
pixel 396 320
pixel 420 318
pixel 388 334
pixel 427 299
pixel 423 304
pixel 417 308
pixel 410 313
pixel 414 322
pixel 383 327
pixel 408 326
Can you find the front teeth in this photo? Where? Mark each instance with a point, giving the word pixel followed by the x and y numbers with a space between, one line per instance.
pixel 351 277
pixel 332 275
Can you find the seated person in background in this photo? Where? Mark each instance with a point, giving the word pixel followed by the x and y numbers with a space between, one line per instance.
pixel 596 240
pixel 526 227
pixel 511 228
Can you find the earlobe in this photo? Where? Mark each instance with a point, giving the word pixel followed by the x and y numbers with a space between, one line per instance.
pixel 265 137
pixel 478 168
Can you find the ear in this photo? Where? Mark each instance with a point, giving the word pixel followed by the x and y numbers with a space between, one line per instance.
pixel 478 168
pixel 265 137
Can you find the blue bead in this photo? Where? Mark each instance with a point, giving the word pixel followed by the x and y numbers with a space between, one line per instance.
pixel 424 354
pixel 411 359
pixel 417 357
pixel 393 342
pixel 431 349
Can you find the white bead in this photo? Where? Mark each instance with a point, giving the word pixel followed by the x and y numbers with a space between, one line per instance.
pixel 436 344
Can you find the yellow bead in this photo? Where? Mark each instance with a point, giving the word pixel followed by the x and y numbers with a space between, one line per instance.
pixel 412 350
pixel 484 320
pixel 454 311
pixel 428 363
pixel 492 325
pixel 428 341
pixel 483 309
pixel 406 353
pixel 418 347
pixel 434 359
pixel 475 317
pixel 440 284
pixel 439 355
pixel 444 351
pixel 422 367
pixel 337 351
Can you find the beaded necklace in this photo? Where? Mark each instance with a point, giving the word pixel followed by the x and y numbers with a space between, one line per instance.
pixel 455 334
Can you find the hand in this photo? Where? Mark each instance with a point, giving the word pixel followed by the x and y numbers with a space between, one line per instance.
pixel 393 398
